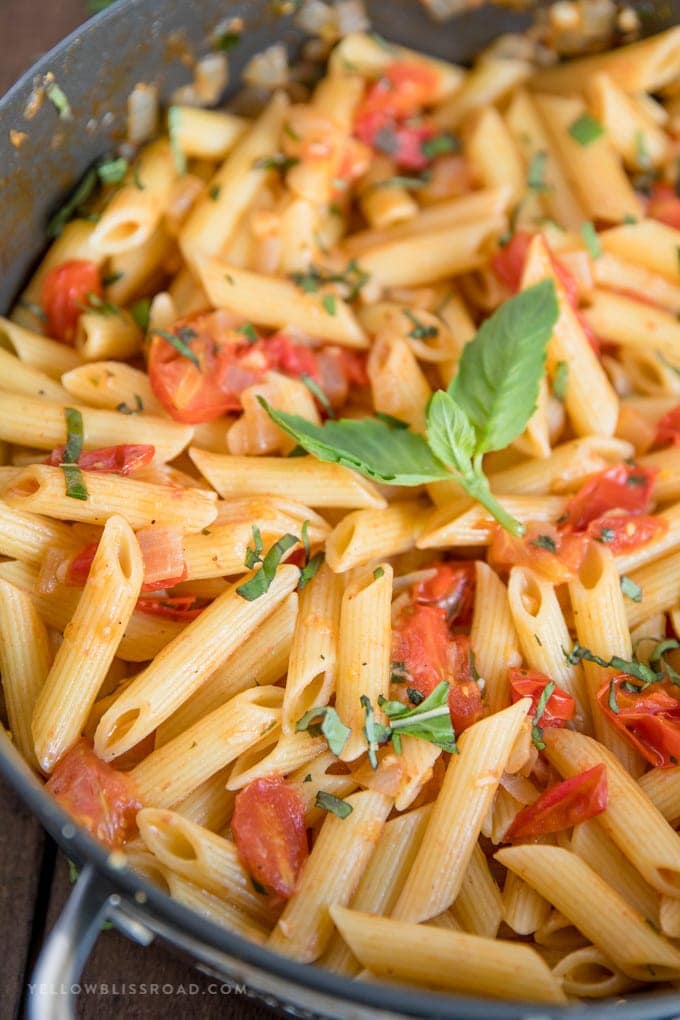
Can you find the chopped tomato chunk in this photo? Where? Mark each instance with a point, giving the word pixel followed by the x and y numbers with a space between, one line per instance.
pixel 162 553
pixel 626 487
pixel 668 428
pixel 117 460
pixel 428 653
pixel 98 797
pixel 623 532
pixel 268 824
pixel 452 589
pixel 179 608
pixel 649 717
pixel 530 683
pixel 543 547
pixel 66 291
pixel 562 806
pixel 664 205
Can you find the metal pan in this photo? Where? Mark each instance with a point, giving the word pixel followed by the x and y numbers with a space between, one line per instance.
pixel 96 67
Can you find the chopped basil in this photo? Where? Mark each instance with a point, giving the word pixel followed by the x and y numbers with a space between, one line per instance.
pixel 420 331
pixel 308 778
pixel 261 582
pixel 378 573
pixel 536 173
pixel 536 730
pixel 561 380
pixel 325 721
pixel 591 240
pixel 316 391
pixel 414 696
pixel 586 129
pixel 112 278
pixel 98 306
pixel 631 589
pixel 75 484
pixel 376 733
pixel 628 219
pixel 329 303
pixel 180 343
pixel 34 309
pixel 641 151
pixel 640 670
pixel 439 145
pixel 351 279
pixel 304 538
pixel 248 331
pixel 113 170
pixel 311 569
pixel 545 542
pixel 431 720
pixel 254 555
pixel 399 674
pixel 291 132
pixel 606 535
pixel 277 161
pixel 332 804
pixel 78 197
pixel 401 181
pixel 126 409
pixel 140 312
pixel 214 192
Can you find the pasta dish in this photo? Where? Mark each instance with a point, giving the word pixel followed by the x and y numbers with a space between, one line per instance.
pixel 340 516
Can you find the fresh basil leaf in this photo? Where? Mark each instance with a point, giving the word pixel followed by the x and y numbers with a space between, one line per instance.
pixel 451 436
pixel 332 804
pixel 394 456
pixel 500 369
pixel 431 720
pixel 260 582
pixel 545 542
pixel 325 721
pixel 632 666
pixel 247 330
pixel 561 380
pixel 254 555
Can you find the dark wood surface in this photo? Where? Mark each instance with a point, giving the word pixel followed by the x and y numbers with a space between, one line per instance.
pixel 34 882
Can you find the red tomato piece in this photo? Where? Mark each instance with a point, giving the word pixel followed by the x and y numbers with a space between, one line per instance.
pixel 452 589
pixel 402 90
pixel 625 487
pixel 66 291
pixel 98 797
pixel 430 654
pixel 668 428
pixel 530 683
pixel 664 205
pixel 80 565
pixel 508 261
pixel 268 825
pixel 623 532
pixel 562 806
pixel 649 718
pixel 543 547
pixel 172 607
pixel 115 460
pixel 333 369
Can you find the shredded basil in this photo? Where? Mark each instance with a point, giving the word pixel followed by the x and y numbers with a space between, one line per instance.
pixel 420 331
pixel 545 542
pixel 561 380
pixel 75 483
pixel 124 408
pixel 586 129
pixel 591 240
pixel 180 343
pixel 261 582
pixel 541 705
pixel 316 391
pixel 140 312
pixel 325 721
pixel 631 589
pixel 332 804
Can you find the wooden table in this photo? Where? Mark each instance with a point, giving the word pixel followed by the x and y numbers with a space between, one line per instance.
pixel 34 882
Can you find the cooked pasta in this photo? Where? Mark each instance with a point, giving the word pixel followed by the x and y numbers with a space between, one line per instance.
pixel 339 519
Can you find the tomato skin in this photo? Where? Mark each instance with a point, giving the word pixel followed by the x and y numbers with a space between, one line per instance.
pixel 179 608
pixel 664 205
pixel 562 806
pixel 65 291
pixel 80 564
pixel 623 532
pixel 535 549
pixel 649 719
pixel 452 589
pixel 626 487
pixel 116 460
pixel 508 262
pixel 530 683
pixel 268 825
pixel 668 428
pixel 380 120
pixel 430 654
pixel 97 796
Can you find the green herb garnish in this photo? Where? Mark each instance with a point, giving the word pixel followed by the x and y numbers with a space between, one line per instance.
pixel 325 721
pixel 376 733
pixel 561 380
pixel 316 391
pixel 586 129
pixel 430 720
pixel 484 409
pixel 545 542
pixel 420 331
pixel 75 483
pixel 332 804
pixel 536 173
pixel 591 240
pixel 181 343
pixel 126 409
pixel 541 704
pixel 140 312
pixel 631 589
pixel 261 582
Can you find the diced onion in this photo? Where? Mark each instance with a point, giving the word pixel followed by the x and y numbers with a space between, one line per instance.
pixel 142 110
pixel 268 69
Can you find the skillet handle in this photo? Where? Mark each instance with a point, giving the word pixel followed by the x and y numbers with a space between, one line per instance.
pixel 53 987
